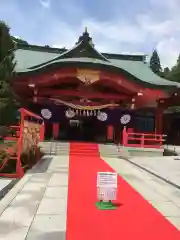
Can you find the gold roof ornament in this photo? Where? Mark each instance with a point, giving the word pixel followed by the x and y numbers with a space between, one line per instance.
pixel 88 76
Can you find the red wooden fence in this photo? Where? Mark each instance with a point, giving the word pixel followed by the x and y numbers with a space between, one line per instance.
pixel 20 137
pixel 143 140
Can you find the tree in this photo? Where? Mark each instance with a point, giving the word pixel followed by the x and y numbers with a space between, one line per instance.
pixel 174 74
pixel 19 40
pixel 8 104
pixel 155 63
pixel 166 72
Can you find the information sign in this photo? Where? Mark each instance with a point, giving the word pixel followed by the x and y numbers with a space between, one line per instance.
pixel 106 186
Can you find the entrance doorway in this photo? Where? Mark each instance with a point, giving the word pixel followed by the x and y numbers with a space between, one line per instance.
pixel 174 133
pixel 86 129
pixel 48 131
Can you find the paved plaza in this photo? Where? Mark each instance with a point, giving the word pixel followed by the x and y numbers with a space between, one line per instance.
pixel 165 167
pixel 164 197
pixel 36 206
pixel 173 148
pixel 4 183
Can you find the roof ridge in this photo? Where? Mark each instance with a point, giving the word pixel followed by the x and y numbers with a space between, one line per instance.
pixel 78 45
pixel 45 48
pixel 49 49
pixel 121 56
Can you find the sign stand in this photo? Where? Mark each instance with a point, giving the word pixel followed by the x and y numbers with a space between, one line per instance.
pixel 105 205
pixel 106 190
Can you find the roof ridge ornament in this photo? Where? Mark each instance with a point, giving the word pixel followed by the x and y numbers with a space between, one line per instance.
pixel 85 37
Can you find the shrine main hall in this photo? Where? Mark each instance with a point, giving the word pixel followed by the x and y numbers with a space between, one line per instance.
pixel 85 95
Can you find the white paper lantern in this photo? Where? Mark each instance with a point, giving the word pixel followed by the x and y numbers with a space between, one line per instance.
pixel 125 119
pixel 102 116
pixel 46 113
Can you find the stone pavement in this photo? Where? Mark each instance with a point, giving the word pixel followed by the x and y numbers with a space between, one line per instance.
pixel 165 167
pixel 36 207
pixel 4 183
pixel 164 197
pixel 173 148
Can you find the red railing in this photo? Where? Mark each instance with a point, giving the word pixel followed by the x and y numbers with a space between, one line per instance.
pixel 142 140
pixel 15 151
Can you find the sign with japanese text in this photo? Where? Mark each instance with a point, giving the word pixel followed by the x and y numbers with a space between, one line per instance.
pixel 106 186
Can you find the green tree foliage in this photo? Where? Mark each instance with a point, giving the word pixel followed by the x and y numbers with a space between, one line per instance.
pixel 19 40
pixel 155 63
pixel 8 103
pixel 166 72
pixel 174 74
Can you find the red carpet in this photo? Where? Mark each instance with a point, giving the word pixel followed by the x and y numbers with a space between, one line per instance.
pixel 135 219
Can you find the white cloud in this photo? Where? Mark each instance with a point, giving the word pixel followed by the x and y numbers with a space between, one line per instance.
pixel 169 5
pixel 170 50
pixel 150 29
pixel 17 37
pixel 119 37
pixel 107 36
pixel 157 27
pixel 45 3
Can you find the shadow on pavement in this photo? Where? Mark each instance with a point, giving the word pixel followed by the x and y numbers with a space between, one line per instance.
pixel 42 165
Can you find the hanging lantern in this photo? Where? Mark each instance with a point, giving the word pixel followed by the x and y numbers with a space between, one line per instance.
pixel 87 113
pixel 91 113
pixel 84 113
pixel 98 113
pixel 94 113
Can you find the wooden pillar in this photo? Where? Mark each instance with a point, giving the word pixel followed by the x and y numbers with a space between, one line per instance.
pixel 124 136
pixel 42 132
pixel 158 120
pixel 110 132
pixel 55 130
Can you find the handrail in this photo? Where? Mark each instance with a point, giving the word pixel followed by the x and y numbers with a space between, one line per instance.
pixel 31 114
pixel 50 147
pixel 19 141
pixel 56 148
pixel 145 140
pixel 146 134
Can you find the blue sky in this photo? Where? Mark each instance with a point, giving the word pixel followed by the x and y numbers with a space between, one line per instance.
pixel 117 26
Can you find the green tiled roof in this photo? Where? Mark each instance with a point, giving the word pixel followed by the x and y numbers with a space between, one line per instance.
pixel 27 58
pixel 36 59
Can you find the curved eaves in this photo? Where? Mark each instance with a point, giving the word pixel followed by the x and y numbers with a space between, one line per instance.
pixel 64 54
pixel 86 62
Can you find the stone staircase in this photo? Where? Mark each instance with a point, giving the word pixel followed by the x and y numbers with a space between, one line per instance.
pixel 54 148
pixel 109 150
pixel 84 149
pixel 62 148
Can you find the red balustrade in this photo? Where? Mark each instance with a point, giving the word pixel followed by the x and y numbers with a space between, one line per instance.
pixel 25 136
pixel 142 140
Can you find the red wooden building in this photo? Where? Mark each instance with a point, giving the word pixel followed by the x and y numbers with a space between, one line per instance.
pixel 83 94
